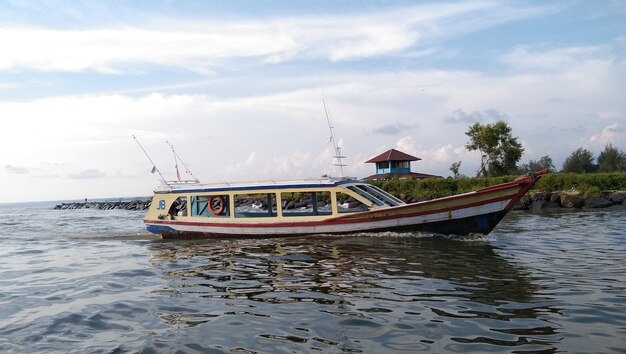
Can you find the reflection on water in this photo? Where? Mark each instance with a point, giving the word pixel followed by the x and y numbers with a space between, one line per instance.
pixel 352 294
pixel 88 281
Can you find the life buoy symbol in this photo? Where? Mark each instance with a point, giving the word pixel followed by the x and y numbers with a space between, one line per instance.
pixel 217 205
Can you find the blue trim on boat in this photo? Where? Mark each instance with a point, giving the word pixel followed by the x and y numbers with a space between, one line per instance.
pixel 158 229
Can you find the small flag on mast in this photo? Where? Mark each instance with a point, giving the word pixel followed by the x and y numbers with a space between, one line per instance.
pixel 153 170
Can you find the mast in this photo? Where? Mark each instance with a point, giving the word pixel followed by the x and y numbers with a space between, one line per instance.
pixel 337 148
pixel 154 168
pixel 176 158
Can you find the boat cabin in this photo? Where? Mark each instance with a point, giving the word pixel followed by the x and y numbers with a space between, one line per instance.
pixel 284 200
pixel 322 206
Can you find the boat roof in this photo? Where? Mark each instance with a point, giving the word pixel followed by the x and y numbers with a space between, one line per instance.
pixel 192 187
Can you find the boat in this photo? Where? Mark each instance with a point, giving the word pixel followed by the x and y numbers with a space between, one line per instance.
pixel 323 206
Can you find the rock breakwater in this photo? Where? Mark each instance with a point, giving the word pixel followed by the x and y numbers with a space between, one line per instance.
pixel 137 204
pixel 572 199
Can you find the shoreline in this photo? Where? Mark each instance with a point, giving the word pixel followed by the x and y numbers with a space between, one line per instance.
pixel 570 200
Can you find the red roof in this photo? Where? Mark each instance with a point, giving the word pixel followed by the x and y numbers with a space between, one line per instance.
pixel 393 155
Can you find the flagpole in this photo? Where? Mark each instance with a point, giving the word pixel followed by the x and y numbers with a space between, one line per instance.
pixel 181 160
pixel 148 156
pixel 175 159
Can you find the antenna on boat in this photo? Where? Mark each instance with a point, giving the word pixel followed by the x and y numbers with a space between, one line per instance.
pixel 176 158
pixel 337 148
pixel 154 168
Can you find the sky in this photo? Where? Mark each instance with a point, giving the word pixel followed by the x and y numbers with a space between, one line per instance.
pixel 238 87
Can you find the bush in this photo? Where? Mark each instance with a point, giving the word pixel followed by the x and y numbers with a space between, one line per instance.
pixel 552 182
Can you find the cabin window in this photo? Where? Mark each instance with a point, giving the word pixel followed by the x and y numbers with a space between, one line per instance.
pixel 376 195
pixel 306 203
pixel 389 199
pixel 178 208
pixel 210 206
pixel 347 204
pixel 255 205
pixel 366 195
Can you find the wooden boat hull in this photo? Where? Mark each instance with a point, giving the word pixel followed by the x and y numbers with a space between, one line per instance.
pixel 476 212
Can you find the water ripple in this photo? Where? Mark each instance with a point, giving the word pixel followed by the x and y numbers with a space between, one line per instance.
pixel 76 282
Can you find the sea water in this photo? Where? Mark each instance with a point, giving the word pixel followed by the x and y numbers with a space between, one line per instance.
pixel 78 281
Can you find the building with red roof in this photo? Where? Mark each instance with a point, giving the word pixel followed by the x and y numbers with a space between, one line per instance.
pixel 395 164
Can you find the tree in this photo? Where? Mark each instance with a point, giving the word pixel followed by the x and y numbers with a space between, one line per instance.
pixel 455 168
pixel 611 159
pixel 499 151
pixel 580 161
pixel 543 162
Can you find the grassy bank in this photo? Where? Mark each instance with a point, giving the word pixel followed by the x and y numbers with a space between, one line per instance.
pixel 588 183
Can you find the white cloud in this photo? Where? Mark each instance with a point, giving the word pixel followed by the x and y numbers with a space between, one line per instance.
pixel 560 59
pixel 201 46
pixel 407 144
pixel 284 134
pixel 109 50
pixel 611 134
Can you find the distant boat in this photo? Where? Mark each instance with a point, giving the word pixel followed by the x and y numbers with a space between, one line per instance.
pixel 322 206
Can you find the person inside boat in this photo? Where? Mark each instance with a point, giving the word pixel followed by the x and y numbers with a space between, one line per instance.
pixel 178 208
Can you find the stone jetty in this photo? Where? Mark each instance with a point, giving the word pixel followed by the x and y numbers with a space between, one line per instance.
pixel 137 204
pixel 573 199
